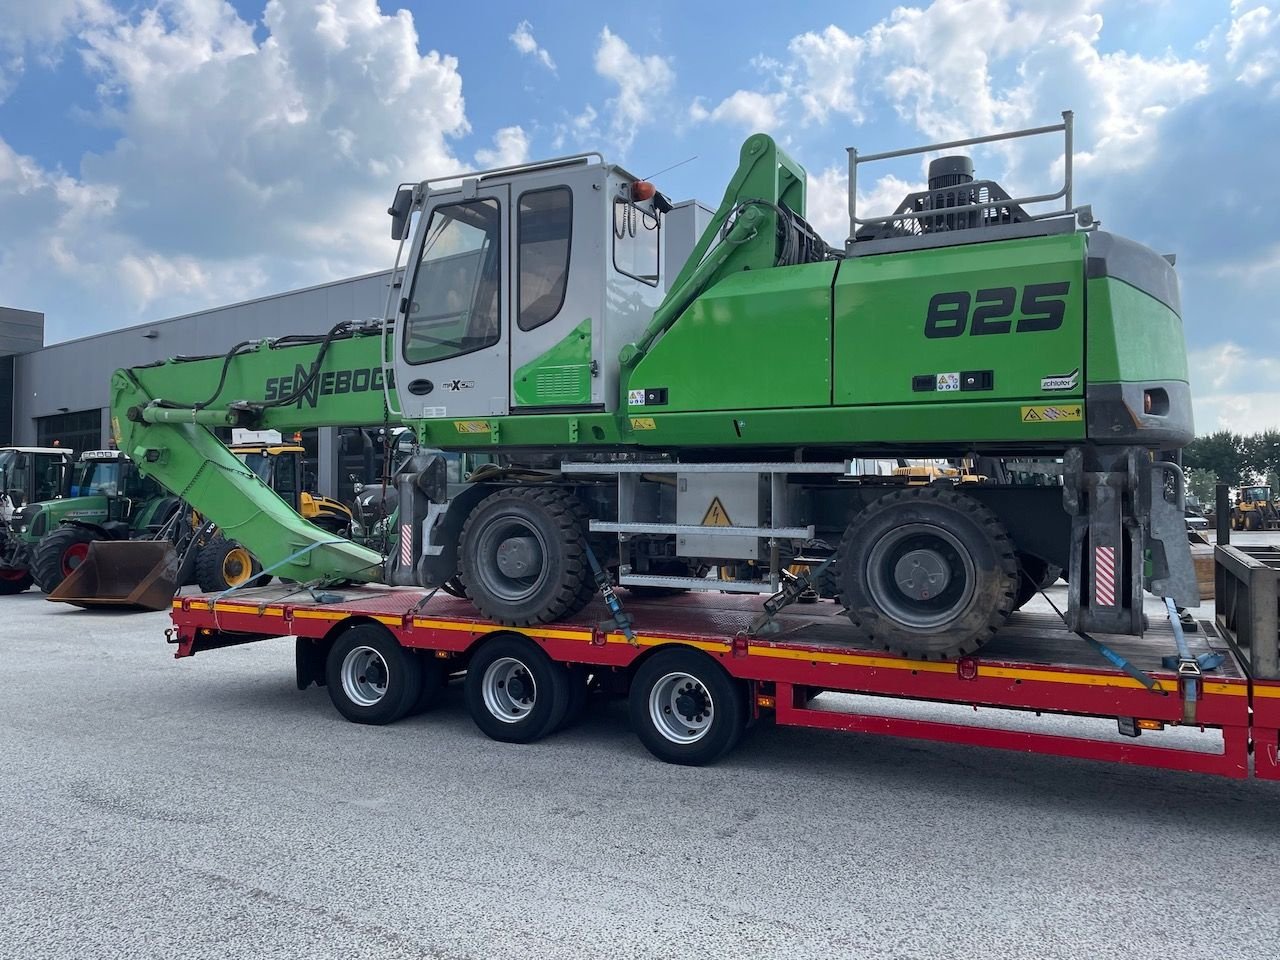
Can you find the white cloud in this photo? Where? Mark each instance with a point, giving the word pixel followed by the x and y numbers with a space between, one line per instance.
pixel 510 146
pixel 1253 42
pixel 642 82
pixel 39 28
pixel 828 66
pixel 524 41
pixel 1233 387
pixel 241 163
pixel 743 108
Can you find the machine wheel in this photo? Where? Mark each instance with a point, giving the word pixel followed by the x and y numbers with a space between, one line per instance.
pixel 1034 575
pixel 927 572
pixel 514 692
pixel 1253 521
pixel 222 564
pixel 454 588
pixel 58 553
pixel 370 677
pixel 685 708
pixel 524 556
pixel 14 580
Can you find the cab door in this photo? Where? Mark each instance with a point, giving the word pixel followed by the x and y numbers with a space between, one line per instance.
pixel 452 349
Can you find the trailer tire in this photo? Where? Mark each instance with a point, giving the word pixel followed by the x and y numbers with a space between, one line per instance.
pixel 524 556
pixel 59 552
pixel 14 580
pixel 685 708
pixel 514 692
pixel 370 677
pixel 928 572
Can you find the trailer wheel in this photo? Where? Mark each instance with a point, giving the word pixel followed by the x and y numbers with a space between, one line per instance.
pixel 524 556
pixel 59 552
pixel 685 708
pixel 370 677
pixel 515 693
pixel 928 572
pixel 14 580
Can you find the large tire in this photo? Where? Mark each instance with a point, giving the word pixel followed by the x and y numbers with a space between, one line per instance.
pixel 370 677
pixel 927 572
pixel 222 564
pixel 59 552
pixel 14 580
pixel 1253 521
pixel 685 708
pixel 524 556
pixel 1034 575
pixel 515 693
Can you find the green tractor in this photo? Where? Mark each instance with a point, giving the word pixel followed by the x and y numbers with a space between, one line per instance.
pixel 27 475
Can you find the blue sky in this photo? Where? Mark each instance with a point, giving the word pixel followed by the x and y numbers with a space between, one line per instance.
pixel 160 156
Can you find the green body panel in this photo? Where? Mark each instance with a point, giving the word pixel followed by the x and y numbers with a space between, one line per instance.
pixel 1132 336
pixel 728 350
pixel 83 509
pixel 881 342
pixel 561 376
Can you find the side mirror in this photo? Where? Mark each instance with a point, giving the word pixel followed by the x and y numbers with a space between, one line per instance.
pixel 399 211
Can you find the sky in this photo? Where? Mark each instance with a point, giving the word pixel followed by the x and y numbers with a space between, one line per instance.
pixel 163 156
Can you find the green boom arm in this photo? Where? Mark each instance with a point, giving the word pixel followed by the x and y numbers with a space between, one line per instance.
pixel 160 418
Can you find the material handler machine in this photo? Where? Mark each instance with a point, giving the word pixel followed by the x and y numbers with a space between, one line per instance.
pixel 649 423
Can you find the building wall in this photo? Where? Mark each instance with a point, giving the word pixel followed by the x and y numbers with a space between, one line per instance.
pixel 75 376
pixel 20 332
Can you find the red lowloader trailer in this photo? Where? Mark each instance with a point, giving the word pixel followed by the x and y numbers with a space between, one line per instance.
pixel 696 676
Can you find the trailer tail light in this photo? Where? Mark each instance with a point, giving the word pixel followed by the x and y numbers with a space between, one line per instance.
pixel 1150 724
pixel 766 701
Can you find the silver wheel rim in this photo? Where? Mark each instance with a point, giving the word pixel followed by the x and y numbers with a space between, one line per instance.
pixel 681 707
pixel 511 559
pixel 509 689
pixel 364 676
pixel 906 556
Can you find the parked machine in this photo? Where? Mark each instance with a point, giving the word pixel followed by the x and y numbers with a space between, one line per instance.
pixel 27 475
pixel 1255 509
pixel 651 424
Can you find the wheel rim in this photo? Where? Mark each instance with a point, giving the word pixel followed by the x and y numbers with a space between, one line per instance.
pixel 364 676
pixel 236 566
pixel 920 575
pixel 510 559
pixel 681 707
pixel 73 556
pixel 509 689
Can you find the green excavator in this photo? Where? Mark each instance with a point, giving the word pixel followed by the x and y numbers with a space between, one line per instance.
pixel 662 391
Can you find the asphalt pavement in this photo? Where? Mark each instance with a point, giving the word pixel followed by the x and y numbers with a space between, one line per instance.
pixel 207 808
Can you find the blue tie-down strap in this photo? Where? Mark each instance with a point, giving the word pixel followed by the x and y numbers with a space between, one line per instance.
pixel 1183 660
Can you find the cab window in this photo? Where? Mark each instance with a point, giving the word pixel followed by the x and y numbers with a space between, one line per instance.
pixel 544 229
pixel 453 305
pixel 635 242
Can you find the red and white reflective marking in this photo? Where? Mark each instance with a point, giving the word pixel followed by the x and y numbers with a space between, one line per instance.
pixel 406 545
pixel 1104 576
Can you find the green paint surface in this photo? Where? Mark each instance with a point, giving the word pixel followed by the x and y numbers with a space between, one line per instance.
pixel 561 376
pixel 1132 336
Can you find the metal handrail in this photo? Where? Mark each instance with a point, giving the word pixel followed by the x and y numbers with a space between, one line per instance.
pixel 1062 193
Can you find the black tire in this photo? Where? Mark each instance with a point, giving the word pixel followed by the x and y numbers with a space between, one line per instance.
pixel 59 552
pixel 433 682
pixel 370 677
pixel 14 580
pixel 524 556
pixel 964 574
pixel 1034 575
pixel 222 564
pixel 685 708
pixel 514 692
pixel 1253 521
pixel 454 588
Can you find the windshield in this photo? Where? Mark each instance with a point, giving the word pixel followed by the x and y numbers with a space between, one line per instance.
pixel 1258 493
pixel 259 463
pixel 96 478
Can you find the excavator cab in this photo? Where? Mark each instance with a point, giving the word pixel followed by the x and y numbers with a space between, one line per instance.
pixel 280 466
pixel 507 305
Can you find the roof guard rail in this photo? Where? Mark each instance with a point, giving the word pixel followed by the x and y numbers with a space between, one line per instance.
pixel 1063 193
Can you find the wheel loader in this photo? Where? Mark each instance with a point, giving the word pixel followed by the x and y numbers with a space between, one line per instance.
pixel 1255 509
pixel 663 391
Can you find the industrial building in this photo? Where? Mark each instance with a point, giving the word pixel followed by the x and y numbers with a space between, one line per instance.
pixel 59 393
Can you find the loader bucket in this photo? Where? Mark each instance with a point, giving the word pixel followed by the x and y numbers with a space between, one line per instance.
pixel 123 574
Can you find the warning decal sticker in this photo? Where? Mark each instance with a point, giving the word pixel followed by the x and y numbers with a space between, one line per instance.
pixel 1065 413
pixel 716 516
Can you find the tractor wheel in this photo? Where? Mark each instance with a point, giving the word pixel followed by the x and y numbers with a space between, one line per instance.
pixel 1253 521
pixel 222 564
pixel 14 580
pixel 59 552
pixel 927 572
pixel 524 556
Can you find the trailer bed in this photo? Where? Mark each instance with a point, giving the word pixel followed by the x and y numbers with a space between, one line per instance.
pixel 1033 665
